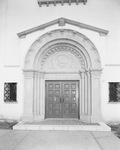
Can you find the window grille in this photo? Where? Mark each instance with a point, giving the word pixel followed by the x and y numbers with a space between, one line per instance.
pixel 10 92
pixel 114 92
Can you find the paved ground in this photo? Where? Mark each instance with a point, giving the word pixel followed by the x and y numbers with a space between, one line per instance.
pixel 57 140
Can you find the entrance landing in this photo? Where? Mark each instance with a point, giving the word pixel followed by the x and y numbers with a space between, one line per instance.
pixel 60 124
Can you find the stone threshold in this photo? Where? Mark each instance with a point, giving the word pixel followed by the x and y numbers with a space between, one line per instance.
pixel 67 125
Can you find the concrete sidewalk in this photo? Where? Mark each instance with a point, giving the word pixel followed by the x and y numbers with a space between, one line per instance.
pixel 57 140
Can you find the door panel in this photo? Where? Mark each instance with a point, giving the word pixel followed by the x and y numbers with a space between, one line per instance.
pixel 70 99
pixel 53 105
pixel 61 99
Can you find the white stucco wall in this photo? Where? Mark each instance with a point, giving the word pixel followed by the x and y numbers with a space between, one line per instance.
pixel 17 16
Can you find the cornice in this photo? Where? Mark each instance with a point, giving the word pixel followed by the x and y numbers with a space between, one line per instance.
pixel 62 2
pixel 62 22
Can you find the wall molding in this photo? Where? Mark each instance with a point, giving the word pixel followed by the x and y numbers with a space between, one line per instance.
pixel 112 65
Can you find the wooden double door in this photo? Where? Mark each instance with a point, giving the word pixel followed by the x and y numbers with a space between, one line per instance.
pixel 61 99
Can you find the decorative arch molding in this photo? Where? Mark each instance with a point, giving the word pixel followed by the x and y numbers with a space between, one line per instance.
pixel 64 48
pixel 65 36
pixel 72 44
pixel 64 45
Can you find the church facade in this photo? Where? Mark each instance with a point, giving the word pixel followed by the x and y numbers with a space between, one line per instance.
pixel 60 59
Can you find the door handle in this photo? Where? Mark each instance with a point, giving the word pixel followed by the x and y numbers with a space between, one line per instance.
pixel 63 99
pixel 60 100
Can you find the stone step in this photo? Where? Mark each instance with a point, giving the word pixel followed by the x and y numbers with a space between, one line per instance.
pixel 49 126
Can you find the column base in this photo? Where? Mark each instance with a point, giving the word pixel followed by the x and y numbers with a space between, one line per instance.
pixel 85 118
pixel 92 118
pixel 38 118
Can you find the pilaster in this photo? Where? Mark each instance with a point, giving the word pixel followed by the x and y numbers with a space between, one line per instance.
pixel 39 101
pixel 28 96
pixel 85 94
pixel 96 95
pixel 42 97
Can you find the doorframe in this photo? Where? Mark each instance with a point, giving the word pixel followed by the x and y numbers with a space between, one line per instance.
pixel 36 72
pixel 78 93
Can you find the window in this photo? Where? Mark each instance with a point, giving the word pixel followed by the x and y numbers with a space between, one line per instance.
pixel 10 92
pixel 114 92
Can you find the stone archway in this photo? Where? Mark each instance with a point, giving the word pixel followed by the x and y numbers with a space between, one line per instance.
pixel 62 55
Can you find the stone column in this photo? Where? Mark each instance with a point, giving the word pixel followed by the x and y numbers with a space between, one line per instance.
pixel 83 92
pixel 35 90
pixel 28 96
pixel 38 96
pixel 89 102
pixel 86 95
pixel 80 96
pixel 83 102
pixel 42 97
pixel 96 95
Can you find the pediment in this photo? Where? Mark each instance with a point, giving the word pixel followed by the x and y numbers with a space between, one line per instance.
pixel 63 22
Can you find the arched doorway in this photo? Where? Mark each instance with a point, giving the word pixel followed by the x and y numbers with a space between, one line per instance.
pixel 62 78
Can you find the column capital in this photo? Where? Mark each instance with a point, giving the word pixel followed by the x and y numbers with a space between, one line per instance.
pixel 84 71
pixel 87 71
pixel 81 71
pixel 35 73
pixel 82 74
pixel 42 74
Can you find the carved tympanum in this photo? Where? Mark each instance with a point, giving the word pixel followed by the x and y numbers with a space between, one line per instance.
pixel 62 60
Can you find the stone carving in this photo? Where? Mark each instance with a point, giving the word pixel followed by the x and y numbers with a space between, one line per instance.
pixel 98 60
pixel 74 33
pixel 31 50
pixel 62 48
pixel 61 22
pixel 39 41
pixel 93 48
pixel 50 33
pixel 85 39
pixel 27 61
pixel 70 37
pixel 62 61
pixel 61 31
